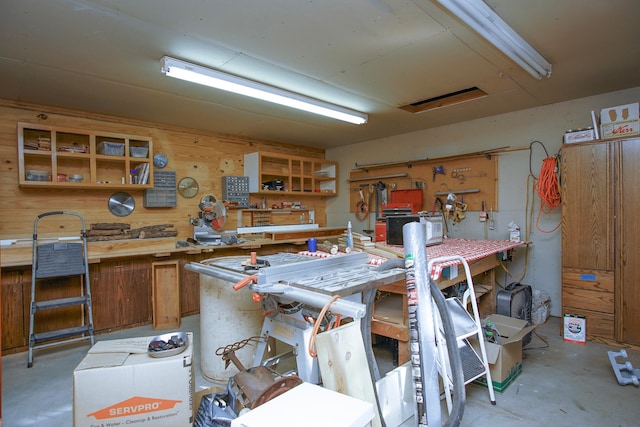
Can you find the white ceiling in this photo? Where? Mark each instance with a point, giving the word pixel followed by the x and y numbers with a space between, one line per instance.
pixel 103 56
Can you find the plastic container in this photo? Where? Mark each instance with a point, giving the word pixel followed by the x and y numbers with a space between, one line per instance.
pixel 37 175
pixel 111 148
pixel 62 177
pixel 76 177
pixel 226 317
pixel 142 152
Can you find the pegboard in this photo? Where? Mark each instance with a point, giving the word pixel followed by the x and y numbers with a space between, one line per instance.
pixel 473 179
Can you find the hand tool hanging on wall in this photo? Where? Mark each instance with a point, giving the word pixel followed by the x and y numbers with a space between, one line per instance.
pixel 438 170
pixel 381 197
pixel 370 190
pixel 362 208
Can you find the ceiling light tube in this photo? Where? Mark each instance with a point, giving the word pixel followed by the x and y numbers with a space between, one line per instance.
pixel 481 18
pixel 209 77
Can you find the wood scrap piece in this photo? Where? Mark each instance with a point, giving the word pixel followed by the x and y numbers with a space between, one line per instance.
pixel 328 247
pixel 100 232
pixel 110 226
pixel 344 248
pixel 393 251
pixel 384 254
pixel 150 231
pixel 147 232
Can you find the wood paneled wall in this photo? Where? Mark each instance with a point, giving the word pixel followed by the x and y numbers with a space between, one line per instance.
pixel 207 157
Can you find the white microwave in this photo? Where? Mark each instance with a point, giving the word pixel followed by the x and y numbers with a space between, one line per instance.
pixel 433 227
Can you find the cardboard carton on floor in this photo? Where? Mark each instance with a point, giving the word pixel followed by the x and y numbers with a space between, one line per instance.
pixel 505 357
pixel 118 383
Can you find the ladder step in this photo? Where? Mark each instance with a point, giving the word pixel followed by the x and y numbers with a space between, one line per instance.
pixel 472 366
pixel 62 302
pixel 463 323
pixel 62 333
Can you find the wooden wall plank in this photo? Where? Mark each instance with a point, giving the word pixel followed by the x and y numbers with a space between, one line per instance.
pixel 207 157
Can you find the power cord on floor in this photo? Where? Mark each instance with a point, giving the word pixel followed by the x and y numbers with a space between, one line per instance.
pixel 524 355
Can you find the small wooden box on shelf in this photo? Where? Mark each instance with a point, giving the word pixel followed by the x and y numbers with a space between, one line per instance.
pixel 50 156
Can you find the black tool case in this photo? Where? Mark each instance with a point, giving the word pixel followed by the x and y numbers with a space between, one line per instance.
pixel 515 300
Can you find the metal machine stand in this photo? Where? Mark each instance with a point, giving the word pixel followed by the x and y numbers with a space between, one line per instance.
pixel 625 372
pixel 298 337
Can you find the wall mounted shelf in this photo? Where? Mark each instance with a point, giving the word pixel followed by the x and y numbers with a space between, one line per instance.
pixel 51 156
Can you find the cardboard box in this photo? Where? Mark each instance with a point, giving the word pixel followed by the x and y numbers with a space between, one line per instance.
pixel 118 383
pixel 505 357
pixel 620 129
pixel 579 136
pixel 621 113
pixel 575 328
pixel 309 405
pixel 623 120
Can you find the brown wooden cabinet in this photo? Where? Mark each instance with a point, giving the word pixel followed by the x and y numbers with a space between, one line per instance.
pixel 599 266
pixel 15 303
pixel 627 300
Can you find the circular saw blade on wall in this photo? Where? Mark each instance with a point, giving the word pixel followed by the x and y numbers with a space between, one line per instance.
pixel 121 204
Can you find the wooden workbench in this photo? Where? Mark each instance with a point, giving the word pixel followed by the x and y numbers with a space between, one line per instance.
pixel 390 317
pixel 122 275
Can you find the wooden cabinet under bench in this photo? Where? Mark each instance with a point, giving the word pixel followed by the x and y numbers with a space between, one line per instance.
pixel 121 290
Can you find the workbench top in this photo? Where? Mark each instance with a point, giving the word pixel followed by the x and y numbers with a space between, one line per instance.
pixel 20 253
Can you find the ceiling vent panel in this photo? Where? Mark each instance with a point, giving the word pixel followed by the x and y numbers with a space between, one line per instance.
pixel 446 100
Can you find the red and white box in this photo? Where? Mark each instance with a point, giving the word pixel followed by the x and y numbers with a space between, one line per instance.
pixel 620 121
pixel 579 136
pixel 575 328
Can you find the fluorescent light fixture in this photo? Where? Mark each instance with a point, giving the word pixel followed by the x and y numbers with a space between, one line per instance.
pixel 206 76
pixel 482 19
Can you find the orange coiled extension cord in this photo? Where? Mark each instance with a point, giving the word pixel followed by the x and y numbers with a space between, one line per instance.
pixel 548 188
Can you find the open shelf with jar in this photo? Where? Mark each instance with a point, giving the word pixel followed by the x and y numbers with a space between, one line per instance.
pixel 51 156
pixel 271 173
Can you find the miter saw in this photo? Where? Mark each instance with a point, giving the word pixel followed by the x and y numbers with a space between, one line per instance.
pixel 210 221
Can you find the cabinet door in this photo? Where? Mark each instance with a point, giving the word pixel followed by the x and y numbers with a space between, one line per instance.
pixel 121 294
pixel 628 290
pixel 15 311
pixel 189 290
pixel 587 207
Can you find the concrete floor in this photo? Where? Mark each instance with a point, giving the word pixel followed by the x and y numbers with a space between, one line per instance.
pixel 562 384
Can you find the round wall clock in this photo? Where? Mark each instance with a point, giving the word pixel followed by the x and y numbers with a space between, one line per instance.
pixel 188 187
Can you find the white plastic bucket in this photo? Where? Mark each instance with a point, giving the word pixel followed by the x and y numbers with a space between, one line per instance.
pixel 226 317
